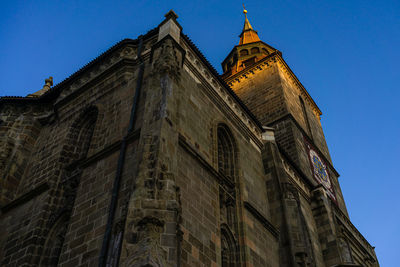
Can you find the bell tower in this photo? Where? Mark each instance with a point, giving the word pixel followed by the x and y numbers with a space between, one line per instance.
pixel 249 51
pixel 262 79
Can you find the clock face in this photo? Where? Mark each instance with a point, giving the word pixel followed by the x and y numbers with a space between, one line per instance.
pixel 320 171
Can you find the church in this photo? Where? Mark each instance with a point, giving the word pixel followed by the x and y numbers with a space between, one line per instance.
pixel 147 156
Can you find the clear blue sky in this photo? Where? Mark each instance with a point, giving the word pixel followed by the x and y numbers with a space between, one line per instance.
pixel 346 54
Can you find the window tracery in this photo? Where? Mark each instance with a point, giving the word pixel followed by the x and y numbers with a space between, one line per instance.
pixel 227 196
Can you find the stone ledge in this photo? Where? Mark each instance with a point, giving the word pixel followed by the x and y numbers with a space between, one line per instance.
pixel 25 197
pixel 264 221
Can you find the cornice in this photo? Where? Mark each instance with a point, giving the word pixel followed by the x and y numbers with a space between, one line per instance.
pixel 54 92
pixel 246 45
pixel 225 106
pixel 261 218
pixel 192 151
pixel 259 66
pixel 298 178
pixel 220 94
pixel 303 90
pixel 290 116
pixel 86 82
pixel 218 81
pixel 252 69
pixel 352 230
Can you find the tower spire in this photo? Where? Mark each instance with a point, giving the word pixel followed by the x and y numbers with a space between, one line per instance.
pixel 250 50
pixel 248 35
pixel 247 25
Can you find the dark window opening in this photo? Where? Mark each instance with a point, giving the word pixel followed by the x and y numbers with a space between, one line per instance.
pixel 226 152
pixel 303 106
pixel 244 52
pixel 255 50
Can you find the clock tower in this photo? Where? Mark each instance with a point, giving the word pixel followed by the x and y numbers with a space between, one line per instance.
pixel 305 199
pixel 262 79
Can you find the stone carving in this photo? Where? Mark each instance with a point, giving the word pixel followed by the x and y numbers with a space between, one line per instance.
pixel 344 250
pixel 167 60
pixel 128 52
pixel 302 259
pixel 154 203
pixel 146 248
pixel 290 192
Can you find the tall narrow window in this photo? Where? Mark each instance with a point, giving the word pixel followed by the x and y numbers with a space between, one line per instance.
pixel 228 219
pixel 226 152
pixel 81 132
pixel 54 242
pixel 76 147
pixel 303 107
pixel 228 248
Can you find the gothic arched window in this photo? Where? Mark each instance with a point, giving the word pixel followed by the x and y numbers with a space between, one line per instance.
pixel 307 121
pixel 228 248
pixel 226 152
pixel 76 147
pixel 54 241
pixel 80 135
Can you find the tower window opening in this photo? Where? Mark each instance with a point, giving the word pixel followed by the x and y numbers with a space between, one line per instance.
pixel 249 61
pixel 255 50
pixel 303 106
pixel 244 52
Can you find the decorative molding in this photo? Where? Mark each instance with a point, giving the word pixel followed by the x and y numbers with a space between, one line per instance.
pixel 342 219
pixel 192 151
pixel 264 221
pixel 88 81
pixel 167 57
pixel 260 65
pixel 111 148
pixel 213 79
pixel 253 69
pixel 293 119
pixel 301 88
pixel 25 197
pixel 304 188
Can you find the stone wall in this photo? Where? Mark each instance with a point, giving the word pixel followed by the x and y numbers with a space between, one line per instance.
pixel 201 184
pixel 55 177
pixel 307 117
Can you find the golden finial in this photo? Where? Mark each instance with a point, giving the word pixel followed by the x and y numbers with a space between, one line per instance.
pixel 244 11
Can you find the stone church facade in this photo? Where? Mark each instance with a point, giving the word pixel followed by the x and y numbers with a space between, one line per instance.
pixel 148 157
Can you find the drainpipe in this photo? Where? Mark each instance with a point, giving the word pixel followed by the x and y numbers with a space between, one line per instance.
pixel 121 160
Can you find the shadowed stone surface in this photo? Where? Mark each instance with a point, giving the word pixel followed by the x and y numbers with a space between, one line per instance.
pixel 210 174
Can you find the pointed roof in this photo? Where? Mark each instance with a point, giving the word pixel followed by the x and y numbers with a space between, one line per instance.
pixel 248 35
